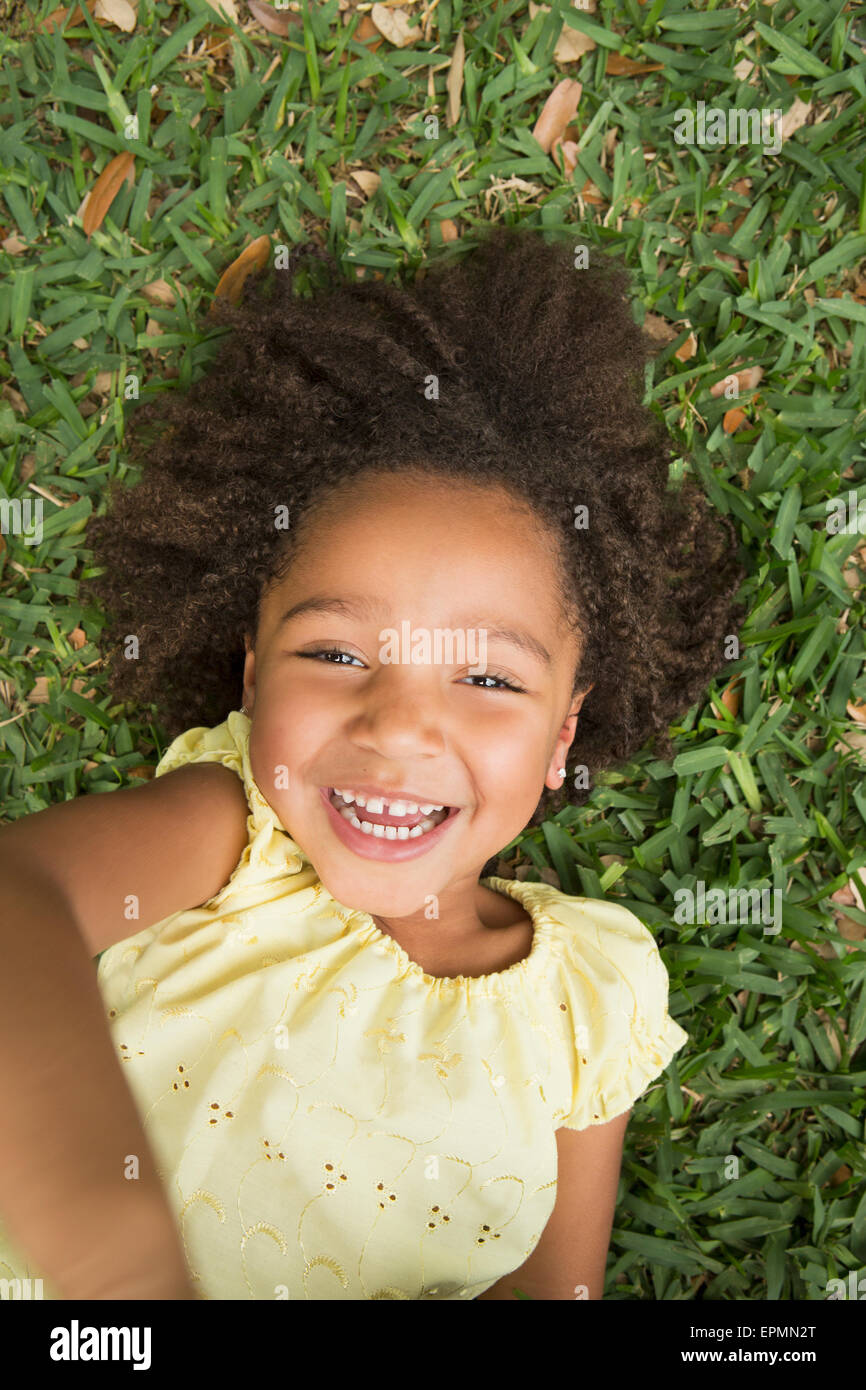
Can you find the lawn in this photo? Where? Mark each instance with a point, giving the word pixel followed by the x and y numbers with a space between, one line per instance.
pixel 142 152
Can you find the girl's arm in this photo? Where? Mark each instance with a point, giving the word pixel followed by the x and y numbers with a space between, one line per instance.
pixel 69 1121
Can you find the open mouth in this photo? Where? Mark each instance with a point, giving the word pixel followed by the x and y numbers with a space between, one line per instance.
pixel 382 823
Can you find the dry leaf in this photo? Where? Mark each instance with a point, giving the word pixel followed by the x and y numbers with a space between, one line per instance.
pixel 659 329
pixel 556 113
pixel 848 929
pixel 568 150
pixel 15 399
pixel 841 1175
pixel 850 741
pixel 824 1019
pixel 275 21
pixel 367 181
pixel 159 292
pixel 617 66
pixel 228 7
pixel 747 380
pixel 795 117
pixel 368 34
pixel 448 230
pixel 733 419
pixel 253 257
pixel 56 18
pixel 857 710
pixel 39 695
pixel 117 12
pixel 589 193
pixel 13 245
pixel 102 383
pixel 454 83
pixel 394 25
pixel 571 44
pixel 730 697
pixel 118 170
pixel 687 349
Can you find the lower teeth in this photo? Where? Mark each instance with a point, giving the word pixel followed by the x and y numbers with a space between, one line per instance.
pixel 390 832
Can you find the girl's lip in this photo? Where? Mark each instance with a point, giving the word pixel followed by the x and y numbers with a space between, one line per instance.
pixel 375 847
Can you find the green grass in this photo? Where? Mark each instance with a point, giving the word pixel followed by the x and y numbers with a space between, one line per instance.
pixel 263 138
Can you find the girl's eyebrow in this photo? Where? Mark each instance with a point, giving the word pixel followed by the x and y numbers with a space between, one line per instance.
pixel 368 608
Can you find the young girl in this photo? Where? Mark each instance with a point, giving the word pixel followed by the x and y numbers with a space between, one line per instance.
pixel 427 537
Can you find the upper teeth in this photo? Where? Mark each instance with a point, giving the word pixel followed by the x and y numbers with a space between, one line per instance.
pixel 377 804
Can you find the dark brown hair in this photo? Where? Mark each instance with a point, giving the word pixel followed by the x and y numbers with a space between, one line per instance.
pixel 508 365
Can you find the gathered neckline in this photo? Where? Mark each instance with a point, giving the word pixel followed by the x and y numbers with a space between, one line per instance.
pixel 522 891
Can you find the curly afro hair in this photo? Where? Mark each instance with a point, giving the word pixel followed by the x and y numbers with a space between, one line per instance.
pixel 540 369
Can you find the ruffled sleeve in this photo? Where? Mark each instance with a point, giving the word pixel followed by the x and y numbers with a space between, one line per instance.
pixel 615 1006
pixel 270 851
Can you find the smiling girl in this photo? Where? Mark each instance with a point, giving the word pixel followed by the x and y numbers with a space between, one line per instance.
pixel 351 1062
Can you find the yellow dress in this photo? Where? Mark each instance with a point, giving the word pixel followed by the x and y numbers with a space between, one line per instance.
pixel 329 1121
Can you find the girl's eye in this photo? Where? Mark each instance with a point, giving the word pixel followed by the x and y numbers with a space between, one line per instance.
pixel 502 681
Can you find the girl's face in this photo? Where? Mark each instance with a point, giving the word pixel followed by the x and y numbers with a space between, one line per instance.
pixel 421 559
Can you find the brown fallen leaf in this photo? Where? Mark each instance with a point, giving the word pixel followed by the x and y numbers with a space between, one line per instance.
pixel 366 33
pixel 841 1175
pixel 159 292
pixel 618 66
pixel 118 170
pixel 730 697
pixel 659 329
pixel 56 18
pixel 117 12
pixel 747 379
pixel 231 282
pixel 589 193
pixel 39 693
pixel 557 112
pixel 796 116
pixel 226 9
pixel 394 26
pixel 454 81
pixel 733 419
pixel 276 22
pixel 567 151
pixel 571 44
pixel 857 710
pixel 367 181
pixel 687 349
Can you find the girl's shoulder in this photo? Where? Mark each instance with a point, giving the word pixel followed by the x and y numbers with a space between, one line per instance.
pixel 610 992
